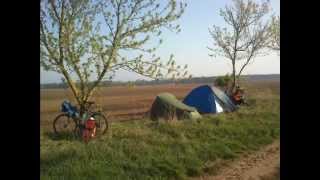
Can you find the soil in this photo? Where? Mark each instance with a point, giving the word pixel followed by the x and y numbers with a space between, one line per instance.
pixel 121 102
pixel 262 165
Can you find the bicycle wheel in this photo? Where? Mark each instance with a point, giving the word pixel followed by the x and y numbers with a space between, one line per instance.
pixel 64 124
pixel 101 123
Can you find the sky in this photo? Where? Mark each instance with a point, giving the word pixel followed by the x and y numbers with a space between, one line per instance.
pixel 190 45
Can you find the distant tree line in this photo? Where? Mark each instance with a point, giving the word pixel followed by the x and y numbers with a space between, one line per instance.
pixel 208 80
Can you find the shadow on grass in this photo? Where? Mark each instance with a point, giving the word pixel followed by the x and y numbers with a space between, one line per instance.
pixel 63 136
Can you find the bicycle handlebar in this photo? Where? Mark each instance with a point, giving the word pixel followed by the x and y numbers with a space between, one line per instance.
pixel 90 102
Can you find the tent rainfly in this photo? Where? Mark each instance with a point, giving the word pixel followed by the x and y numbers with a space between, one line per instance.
pixel 166 106
pixel 208 99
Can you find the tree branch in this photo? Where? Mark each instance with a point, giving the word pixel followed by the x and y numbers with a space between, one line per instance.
pixel 44 41
pixel 55 10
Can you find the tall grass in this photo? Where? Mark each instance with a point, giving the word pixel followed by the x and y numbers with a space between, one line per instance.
pixel 150 150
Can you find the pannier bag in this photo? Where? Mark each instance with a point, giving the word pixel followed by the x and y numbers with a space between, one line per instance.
pixel 67 107
pixel 90 129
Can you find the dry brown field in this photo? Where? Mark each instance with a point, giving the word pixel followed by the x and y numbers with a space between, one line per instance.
pixel 125 103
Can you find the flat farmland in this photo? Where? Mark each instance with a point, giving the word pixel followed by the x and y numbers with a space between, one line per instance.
pixel 124 102
pixel 121 102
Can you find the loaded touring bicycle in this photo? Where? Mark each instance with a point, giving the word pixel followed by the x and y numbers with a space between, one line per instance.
pixel 92 123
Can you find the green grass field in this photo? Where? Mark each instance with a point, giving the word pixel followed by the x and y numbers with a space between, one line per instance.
pixel 176 150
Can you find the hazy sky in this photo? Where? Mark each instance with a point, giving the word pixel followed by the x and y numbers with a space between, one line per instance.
pixel 190 45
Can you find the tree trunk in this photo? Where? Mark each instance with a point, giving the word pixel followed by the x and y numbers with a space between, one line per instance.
pixel 82 109
pixel 233 59
pixel 233 82
pixel 231 89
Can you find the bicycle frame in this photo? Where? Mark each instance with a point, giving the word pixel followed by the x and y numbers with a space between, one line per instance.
pixel 80 120
pixel 89 111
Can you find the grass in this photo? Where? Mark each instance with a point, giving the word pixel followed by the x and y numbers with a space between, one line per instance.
pixel 178 150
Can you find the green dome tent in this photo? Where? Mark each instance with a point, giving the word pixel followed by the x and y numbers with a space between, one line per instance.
pixel 166 106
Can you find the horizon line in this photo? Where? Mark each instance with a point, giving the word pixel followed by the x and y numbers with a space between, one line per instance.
pixel 169 78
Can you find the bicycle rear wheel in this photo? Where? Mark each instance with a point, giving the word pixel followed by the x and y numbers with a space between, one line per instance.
pixel 64 124
pixel 101 123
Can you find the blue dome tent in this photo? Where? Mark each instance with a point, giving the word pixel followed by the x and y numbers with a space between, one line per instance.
pixel 208 99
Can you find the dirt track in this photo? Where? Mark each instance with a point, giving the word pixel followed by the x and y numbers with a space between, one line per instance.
pixel 263 165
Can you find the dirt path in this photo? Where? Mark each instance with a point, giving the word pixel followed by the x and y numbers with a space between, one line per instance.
pixel 263 165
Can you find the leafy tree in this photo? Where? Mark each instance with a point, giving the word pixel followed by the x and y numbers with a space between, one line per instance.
pixel 73 43
pixel 245 37
pixel 275 33
pixel 223 81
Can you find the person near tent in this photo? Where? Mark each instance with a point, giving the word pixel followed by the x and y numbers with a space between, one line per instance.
pixel 238 96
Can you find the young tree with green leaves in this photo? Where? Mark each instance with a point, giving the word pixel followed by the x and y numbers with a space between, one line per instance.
pixel 223 81
pixel 87 41
pixel 275 33
pixel 244 38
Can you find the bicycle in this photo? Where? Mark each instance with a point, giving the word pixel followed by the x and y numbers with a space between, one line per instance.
pixel 72 123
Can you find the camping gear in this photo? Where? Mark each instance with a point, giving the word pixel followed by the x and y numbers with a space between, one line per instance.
pixel 208 99
pixel 194 115
pixel 90 123
pixel 167 106
pixel 85 116
pixel 90 129
pixel 70 121
pixel 68 108
pixel 225 101
pixel 238 97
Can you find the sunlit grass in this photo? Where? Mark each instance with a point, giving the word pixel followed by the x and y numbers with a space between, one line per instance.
pixel 150 150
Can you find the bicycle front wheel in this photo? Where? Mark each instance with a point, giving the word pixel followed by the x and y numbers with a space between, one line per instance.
pixel 64 124
pixel 101 123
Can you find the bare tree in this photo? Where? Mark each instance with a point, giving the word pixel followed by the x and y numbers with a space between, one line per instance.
pixel 73 44
pixel 244 38
pixel 274 43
